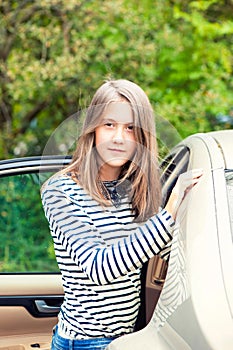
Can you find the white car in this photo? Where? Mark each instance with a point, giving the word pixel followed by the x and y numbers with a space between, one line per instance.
pixel 195 308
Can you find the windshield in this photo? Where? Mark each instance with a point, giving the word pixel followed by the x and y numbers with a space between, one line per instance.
pixel 229 180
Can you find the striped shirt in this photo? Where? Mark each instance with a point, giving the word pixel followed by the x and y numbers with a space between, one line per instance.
pixel 100 252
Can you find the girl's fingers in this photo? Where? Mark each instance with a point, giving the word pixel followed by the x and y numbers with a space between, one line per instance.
pixel 185 183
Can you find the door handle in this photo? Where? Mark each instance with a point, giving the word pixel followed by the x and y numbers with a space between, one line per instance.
pixel 45 308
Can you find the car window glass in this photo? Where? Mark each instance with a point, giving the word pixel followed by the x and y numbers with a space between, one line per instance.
pixel 229 179
pixel 171 167
pixel 25 241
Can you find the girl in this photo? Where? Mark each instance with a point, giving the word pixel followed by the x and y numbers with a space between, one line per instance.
pixel 105 217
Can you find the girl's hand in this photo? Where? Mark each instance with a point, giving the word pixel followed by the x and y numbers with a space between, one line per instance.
pixel 184 184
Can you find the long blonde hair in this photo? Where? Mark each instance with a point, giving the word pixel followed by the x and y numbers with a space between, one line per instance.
pixel 142 170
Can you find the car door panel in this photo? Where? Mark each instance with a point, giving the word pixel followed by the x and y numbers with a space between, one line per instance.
pixel 29 305
pixel 31 290
pixel 155 277
pixel 30 284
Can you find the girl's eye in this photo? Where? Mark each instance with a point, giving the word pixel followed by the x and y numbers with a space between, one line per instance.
pixel 130 127
pixel 109 125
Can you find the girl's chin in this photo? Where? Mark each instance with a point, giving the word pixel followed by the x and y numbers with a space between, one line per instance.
pixel 116 163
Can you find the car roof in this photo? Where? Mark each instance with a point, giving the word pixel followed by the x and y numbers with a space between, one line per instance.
pixel 224 139
pixel 214 141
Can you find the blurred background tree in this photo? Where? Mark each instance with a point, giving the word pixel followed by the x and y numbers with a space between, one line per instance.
pixel 55 53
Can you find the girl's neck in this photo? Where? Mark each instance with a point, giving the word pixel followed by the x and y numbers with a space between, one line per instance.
pixel 109 173
pixel 108 178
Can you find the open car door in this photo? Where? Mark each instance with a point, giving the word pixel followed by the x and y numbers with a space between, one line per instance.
pixel 30 283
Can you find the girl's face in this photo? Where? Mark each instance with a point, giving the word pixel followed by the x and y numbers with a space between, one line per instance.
pixel 115 139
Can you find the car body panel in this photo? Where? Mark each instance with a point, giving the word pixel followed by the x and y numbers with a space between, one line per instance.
pixel 200 314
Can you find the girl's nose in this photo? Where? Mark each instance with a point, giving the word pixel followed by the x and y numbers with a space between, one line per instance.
pixel 118 135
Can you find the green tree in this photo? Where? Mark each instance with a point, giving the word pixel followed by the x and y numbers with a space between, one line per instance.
pixel 55 53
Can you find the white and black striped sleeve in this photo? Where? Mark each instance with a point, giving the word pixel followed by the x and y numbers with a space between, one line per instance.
pixel 103 263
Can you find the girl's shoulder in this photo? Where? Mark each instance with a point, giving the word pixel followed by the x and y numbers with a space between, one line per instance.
pixel 61 180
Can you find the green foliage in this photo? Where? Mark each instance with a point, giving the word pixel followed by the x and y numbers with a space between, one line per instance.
pixel 26 244
pixel 55 53
pixel 53 56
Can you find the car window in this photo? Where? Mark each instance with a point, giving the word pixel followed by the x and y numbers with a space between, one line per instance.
pixel 229 180
pixel 171 167
pixel 25 241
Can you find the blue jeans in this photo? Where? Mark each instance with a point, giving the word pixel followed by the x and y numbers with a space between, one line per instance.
pixel 60 343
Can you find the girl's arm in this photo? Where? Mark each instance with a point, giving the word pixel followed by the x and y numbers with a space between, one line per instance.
pixel 101 262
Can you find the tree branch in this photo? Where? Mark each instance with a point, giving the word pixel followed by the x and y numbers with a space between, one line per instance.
pixel 13 23
pixel 30 116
